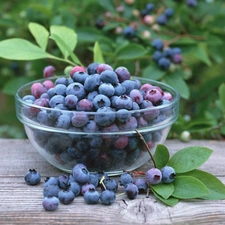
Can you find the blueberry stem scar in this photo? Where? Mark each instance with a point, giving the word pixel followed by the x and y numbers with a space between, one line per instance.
pixel 142 138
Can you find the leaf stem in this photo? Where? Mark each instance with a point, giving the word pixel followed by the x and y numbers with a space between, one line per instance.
pixel 62 60
pixel 146 145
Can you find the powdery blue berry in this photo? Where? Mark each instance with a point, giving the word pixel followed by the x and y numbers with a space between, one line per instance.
pixel 80 173
pixel 75 187
pixel 109 76
pixel 50 203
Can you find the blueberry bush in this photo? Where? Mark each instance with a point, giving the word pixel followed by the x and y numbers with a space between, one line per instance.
pixel 178 42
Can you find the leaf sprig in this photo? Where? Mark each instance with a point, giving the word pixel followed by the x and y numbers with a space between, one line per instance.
pixel 190 182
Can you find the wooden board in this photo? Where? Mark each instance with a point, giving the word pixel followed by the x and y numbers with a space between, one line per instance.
pixel 22 204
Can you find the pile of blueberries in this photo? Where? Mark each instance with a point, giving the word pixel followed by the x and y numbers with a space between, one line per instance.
pixel 93 105
pixel 81 182
pixel 165 56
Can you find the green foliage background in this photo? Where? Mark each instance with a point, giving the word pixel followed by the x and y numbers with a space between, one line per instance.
pixel 198 31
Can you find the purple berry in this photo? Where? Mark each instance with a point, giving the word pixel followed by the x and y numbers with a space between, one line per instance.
pixel 80 173
pixel 102 67
pixel 49 71
pixel 153 176
pixel 122 73
pixel 136 96
pixel 84 105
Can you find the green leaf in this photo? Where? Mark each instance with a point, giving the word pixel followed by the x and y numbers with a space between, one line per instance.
pixel 215 186
pixel 164 190
pixel 20 49
pixel 108 5
pixel 63 45
pixel 189 158
pixel 14 84
pixel 176 81
pixel 98 53
pixel 161 156
pixel 67 37
pixel 40 34
pixel 171 201
pixel 187 187
pixel 131 51
pixel 200 52
pixel 222 95
pixel 153 72
pixel 197 125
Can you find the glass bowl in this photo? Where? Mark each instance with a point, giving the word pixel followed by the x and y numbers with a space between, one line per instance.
pixel 112 148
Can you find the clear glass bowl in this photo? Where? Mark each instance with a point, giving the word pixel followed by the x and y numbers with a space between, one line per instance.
pixel 112 149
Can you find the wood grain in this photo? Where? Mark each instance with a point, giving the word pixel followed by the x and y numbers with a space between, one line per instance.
pixel 22 204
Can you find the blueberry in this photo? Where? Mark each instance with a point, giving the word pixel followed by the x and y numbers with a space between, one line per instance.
pixel 49 71
pixel 168 174
pixel 164 63
pixel 192 3
pixel 80 173
pixel 106 89
pixel 56 100
pixel 149 7
pixel 124 102
pixel 129 32
pixel 85 187
pixel 129 85
pixel 141 184
pixel 90 127
pixel 153 176
pixel 91 95
pixel 63 181
pixel 92 82
pixel 43 118
pixel 50 181
pixel 79 77
pixel 169 12
pixel 50 203
pixel 32 177
pixel 119 89
pixel 168 52
pixel 177 58
pixel 130 124
pixel 92 68
pixel 63 121
pixel 109 76
pixel 77 69
pixel 79 119
pixel 157 55
pixel 51 190
pixel 66 196
pixel 29 98
pixel 105 116
pixel 162 19
pixel 93 179
pixel 107 197
pixel 61 80
pixel 91 196
pixel 102 67
pixel 131 191
pixel 75 187
pixel 176 50
pixel 76 89
pixel 37 89
pixel 84 105
pixel 71 101
pixel 121 142
pixel 125 178
pixel 136 96
pixel 122 73
pixel 109 184
pixel 157 44
pixel 123 115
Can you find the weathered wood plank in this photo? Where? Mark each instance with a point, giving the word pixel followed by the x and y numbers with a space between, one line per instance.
pixel 21 204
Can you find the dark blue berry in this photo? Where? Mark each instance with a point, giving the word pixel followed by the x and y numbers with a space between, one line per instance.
pixel 80 173
pixel 131 191
pixel 66 196
pixel 107 197
pixel 32 177
pixel 91 196
pixel 158 44
pixel 125 178
pixel 129 32
pixel 63 181
pixel 164 63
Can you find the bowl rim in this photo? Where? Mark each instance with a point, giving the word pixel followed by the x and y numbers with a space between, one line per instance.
pixel 31 123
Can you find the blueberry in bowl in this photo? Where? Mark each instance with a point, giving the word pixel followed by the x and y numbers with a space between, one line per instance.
pixel 95 117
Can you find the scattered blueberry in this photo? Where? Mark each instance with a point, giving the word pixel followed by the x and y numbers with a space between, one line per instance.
pixel 32 177
pixel 50 203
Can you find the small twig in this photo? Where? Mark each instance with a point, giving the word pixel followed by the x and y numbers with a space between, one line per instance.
pixel 102 183
pixel 146 145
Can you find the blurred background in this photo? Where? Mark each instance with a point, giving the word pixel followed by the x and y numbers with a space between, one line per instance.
pixel 125 31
